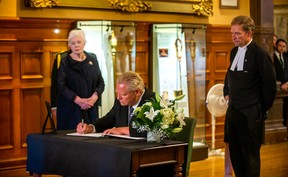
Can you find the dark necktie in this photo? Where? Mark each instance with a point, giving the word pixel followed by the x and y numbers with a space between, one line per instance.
pixel 130 115
pixel 281 61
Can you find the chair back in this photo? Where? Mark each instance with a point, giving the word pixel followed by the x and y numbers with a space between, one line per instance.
pixel 187 135
pixel 50 117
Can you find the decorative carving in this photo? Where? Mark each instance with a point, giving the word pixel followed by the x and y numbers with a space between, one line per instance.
pixel 130 5
pixel 198 7
pixel 43 3
pixel 205 7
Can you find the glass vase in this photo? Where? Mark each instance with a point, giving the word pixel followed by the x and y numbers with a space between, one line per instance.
pixel 154 136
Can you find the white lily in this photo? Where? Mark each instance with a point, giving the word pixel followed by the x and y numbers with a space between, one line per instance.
pixel 151 114
pixel 180 117
pixel 164 103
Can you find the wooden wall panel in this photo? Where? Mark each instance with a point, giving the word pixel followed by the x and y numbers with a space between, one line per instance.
pixel 142 52
pixel 6 126
pixel 6 63
pixel 32 114
pixel 31 65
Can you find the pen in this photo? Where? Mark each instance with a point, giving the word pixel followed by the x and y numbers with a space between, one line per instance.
pixel 82 121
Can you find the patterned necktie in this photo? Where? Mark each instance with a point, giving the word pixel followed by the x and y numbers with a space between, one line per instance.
pixel 130 115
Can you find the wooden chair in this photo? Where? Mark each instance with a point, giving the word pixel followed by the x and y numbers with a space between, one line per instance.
pixel 187 135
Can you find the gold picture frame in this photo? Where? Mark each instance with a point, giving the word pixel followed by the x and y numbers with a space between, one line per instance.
pixel 229 4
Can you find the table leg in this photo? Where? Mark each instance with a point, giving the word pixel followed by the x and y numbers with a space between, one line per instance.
pixel 35 174
pixel 134 173
pixel 178 170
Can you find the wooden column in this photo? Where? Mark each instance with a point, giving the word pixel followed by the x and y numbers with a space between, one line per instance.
pixel 262 13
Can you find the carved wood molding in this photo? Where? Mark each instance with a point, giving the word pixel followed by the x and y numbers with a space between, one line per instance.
pixel 205 8
pixel 130 5
pixel 41 3
pixel 195 7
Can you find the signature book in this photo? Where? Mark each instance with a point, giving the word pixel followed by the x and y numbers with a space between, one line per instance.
pixel 97 135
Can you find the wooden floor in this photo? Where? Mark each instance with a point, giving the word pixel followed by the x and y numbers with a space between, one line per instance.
pixel 274 163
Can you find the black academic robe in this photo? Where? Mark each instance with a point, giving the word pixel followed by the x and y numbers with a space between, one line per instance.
pixel 256 84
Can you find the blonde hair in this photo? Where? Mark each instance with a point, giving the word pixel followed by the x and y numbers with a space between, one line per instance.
pixel 77 32
pixel 133 81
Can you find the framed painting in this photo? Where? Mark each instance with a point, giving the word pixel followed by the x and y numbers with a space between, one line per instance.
pixel 229 4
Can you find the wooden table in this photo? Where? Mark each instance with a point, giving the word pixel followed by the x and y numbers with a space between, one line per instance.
pixel 89 156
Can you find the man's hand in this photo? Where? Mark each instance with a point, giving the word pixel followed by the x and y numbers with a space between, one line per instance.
pixel 117 131
pixel 226 99
pixel 284 86
pixel 84 128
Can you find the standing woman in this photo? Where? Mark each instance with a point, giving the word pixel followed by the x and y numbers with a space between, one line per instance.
pixel 80 84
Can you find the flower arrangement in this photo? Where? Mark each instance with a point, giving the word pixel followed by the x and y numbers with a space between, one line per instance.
pixel 159 116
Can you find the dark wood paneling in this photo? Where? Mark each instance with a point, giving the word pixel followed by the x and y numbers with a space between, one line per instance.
pixel 27 51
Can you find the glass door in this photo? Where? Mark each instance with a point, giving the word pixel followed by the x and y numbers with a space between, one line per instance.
pixel 113 44
pixel 179 64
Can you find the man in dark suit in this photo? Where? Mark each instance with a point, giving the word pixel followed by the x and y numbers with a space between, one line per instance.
pixel 131 93
pixel 281 68
pixel 251 86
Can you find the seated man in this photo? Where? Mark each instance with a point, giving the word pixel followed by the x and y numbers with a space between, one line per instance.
pixel 131 93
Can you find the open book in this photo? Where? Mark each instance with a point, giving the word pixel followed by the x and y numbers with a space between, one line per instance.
pixel 86 134
pixel 101 135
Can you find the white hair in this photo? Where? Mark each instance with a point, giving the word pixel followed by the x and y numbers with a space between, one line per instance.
pixel 77 32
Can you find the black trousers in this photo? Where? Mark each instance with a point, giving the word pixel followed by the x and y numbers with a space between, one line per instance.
pixel 244 133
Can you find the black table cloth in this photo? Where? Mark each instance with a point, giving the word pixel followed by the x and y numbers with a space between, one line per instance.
pixel 82 156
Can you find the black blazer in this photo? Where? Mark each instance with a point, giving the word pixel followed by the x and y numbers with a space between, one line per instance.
pixel 118 115
pixel 281 74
